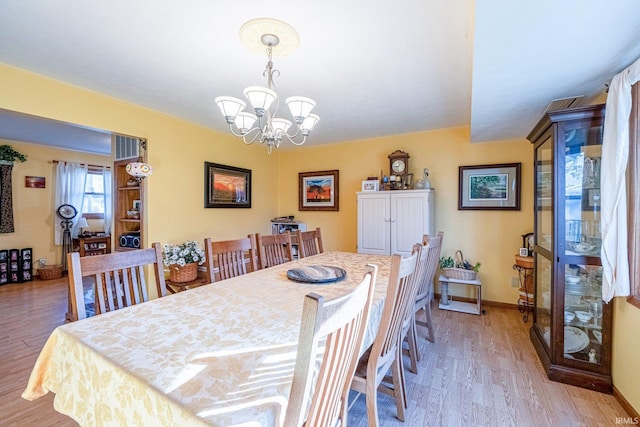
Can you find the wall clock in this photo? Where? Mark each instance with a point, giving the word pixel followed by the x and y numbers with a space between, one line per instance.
pixel 398 163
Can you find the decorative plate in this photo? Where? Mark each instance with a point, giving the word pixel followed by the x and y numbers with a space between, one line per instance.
pixel 316 274
pixel 575 339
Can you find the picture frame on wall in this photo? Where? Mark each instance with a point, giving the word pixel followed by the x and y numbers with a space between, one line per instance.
pixel 318 191
pixel 226 186
pixel 35 181
pixel 370 185
pixel 489 187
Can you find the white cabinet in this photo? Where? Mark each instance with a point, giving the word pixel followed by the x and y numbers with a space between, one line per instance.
pixel 391 222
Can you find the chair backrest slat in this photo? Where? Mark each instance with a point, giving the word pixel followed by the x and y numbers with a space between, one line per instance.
pixel 118 279
pixel 231 257
pixel 434 244
pixel 274 249
pixel 309 242
pixel 400 299
pixel 342 322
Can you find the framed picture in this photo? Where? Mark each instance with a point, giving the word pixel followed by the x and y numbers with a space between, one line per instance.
pixel 370 185
pixel 34 181
pixel 226 186
pixel 318 191
pixel 489 187
pixel 136 205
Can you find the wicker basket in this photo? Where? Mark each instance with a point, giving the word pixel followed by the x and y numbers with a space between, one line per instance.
pixel 459 273
pixel 184 274
pixel 50 272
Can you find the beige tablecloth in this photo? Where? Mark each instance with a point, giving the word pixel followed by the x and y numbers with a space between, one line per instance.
pixel 221 354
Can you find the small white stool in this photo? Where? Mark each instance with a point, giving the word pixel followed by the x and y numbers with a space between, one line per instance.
pixel 463 307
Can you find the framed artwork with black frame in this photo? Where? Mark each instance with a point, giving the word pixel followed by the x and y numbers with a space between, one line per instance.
pixel 226 186
pixel 489 187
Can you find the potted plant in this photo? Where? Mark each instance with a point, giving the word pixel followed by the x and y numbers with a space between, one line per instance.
pixel 459 268
pixel 9 155
pixel 183 260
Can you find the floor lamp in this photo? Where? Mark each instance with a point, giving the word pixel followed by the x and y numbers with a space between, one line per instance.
pixel 66 214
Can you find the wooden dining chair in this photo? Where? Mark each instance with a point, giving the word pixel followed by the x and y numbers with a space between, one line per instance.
pixel 309 242
pixel 230 258
pixel 408 326
pixel 319 397
pixel 273 249
pixel 386 351
pixel 425 292
pixel 119 279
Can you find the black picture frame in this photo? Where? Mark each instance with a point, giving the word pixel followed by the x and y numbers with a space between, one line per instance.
pixel 489 187
pixel 226 186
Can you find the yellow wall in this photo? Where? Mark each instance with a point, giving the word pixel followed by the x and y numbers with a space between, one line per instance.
pixel 177 150
pixel 33 208
pixel 490 237
pixel 625 351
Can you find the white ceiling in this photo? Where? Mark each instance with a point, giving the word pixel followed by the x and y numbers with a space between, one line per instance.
pixel 374 67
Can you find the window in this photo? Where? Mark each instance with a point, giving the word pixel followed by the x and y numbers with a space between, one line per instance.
pixel 93 205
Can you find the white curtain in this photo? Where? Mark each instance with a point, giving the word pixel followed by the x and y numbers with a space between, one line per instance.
pixel 108 205
pixel 70 184
pixel 615 153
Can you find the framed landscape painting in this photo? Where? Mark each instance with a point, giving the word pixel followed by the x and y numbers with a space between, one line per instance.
pixel 489 187
pixel 318 191
pixel 226 186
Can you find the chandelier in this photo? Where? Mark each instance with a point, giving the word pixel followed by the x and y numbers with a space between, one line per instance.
pixel 262 124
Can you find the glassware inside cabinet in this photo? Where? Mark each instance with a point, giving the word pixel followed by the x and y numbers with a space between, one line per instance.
pixel 583 313
pixel 582 191
pixel 543 297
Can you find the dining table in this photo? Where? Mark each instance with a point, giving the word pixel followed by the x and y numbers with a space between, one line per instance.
pixel 221 354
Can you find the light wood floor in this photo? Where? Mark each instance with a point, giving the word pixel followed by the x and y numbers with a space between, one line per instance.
pixel 482 371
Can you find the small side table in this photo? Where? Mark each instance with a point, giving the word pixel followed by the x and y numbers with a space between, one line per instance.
pixel 463 307
pixel 524 267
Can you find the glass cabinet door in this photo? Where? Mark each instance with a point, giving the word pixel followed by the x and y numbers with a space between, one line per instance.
pixel 544 237
pixel 583 153
pixel 544 194
pixel 580 267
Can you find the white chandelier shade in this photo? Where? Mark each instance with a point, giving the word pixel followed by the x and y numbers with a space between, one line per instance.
pixel 260 98
pixel 230 107
pixel 261 124
pixel 300 107
pixel 244 121
pixel 308 124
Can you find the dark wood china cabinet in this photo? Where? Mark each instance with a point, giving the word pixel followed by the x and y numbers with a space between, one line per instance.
pixel 572 327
